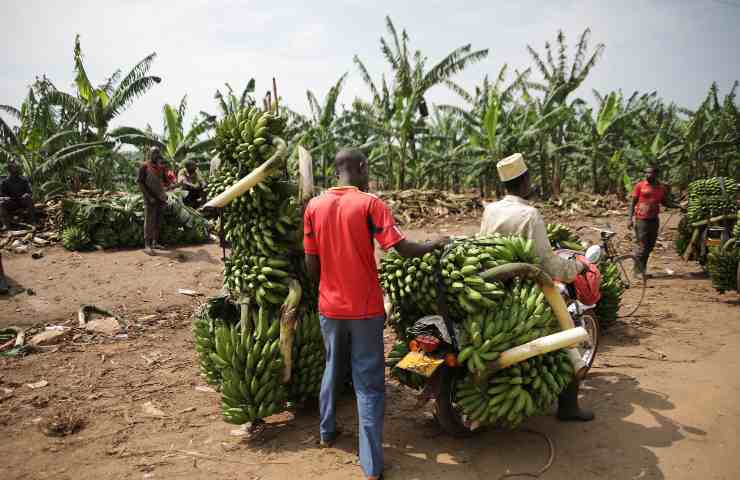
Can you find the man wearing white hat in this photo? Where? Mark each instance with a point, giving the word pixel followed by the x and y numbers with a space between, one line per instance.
pixel 513 215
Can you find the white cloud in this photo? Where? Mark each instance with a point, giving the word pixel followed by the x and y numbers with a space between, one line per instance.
pixel 676 47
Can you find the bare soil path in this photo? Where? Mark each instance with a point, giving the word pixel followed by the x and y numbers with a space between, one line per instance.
pixel 664 389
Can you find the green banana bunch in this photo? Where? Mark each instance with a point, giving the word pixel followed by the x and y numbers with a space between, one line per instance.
pixel 560 234
pixel 515 393
pixel 722 265
pixel 612 289
pixel 248 355
pixel 308 350
pixel 711 197
pixel 263 227
pixel 75 238
pixel 216 312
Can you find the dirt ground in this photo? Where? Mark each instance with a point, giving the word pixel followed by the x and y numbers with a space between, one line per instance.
pixel 664 388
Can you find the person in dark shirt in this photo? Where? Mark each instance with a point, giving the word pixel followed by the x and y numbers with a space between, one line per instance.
pixel 151 182
pixel 15 196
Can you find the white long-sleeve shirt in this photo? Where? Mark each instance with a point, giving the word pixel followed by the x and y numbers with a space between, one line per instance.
pixel 513 215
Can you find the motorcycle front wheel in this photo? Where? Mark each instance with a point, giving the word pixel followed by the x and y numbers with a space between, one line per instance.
pixel 587 350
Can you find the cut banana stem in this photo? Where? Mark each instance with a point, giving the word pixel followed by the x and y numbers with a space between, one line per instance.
pixel 713 220
pixel 305 170
pixel 540 346
pixel 257 176
pixel 288 318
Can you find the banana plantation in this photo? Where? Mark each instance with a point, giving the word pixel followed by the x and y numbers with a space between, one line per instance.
pixel 573 139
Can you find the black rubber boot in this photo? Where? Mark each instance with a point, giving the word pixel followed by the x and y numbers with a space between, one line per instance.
pixel 568 409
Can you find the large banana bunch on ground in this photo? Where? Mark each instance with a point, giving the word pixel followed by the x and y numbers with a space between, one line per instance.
pixel 562 235
pixel 515 393
pixel 266 272
pixel 612 290
pixel 308 352
pixel 722 265
pixel 251 367
pixel 489 317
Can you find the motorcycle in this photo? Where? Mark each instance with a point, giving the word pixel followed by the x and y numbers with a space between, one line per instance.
pixel 433 351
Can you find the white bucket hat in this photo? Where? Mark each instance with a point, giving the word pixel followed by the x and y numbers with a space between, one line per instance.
pixel 511 167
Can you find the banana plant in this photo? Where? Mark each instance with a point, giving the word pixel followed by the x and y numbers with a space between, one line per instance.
pixel 561 79
pixel 320 136
pixel 411 82
pixel 51 152
pixel 95 107
pixel 175 142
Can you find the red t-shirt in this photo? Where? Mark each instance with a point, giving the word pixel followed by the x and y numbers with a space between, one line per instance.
pixel 649 197
pixel 339 227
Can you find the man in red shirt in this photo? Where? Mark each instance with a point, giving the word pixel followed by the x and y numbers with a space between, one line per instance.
pixel 339 228
pixel 647 197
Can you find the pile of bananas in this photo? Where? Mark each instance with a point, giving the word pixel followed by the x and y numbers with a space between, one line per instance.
pixel 711 197
pixel 722 264
pixel 111 221
pixel 489 317
pixel 413 284
pixel 516 393
pixel 265 273
pixel 736 228
pixel 405 377
pixel 561 235
pixel 75 238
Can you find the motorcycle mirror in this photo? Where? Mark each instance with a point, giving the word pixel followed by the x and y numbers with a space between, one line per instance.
pixel 593 254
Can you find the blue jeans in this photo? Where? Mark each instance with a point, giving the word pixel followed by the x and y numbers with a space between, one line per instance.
pixel 364 339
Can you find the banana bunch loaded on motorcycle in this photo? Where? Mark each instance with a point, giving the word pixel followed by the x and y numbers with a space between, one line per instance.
pixel 496 327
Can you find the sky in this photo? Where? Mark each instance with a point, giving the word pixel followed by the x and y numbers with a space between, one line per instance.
pixel 674 47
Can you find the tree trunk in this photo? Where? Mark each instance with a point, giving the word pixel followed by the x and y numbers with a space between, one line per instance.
pixel 402 165
pixel 594 171
pixel 544 181
pixel 413 159
pixel 556 181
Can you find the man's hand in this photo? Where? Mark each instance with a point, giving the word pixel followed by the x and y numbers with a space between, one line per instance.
pixel 581 267
pixel 442 242
pixel 631 224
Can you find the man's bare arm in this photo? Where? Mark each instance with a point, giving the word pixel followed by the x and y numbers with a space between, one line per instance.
pixel 313 266
pixel 408 249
